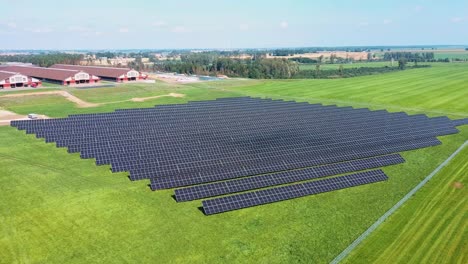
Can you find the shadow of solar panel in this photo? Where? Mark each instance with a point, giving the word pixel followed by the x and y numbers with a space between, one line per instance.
pixel 262 181
pixel 244 200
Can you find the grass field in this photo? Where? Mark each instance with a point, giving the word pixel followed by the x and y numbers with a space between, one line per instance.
pixel 436 215
pixel 348 65
pixel 58 208
pixel 451 55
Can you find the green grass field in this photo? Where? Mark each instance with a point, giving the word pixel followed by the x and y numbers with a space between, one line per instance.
pixel 58 208
pixel 435 215
pixel 451 55
pixel 348 65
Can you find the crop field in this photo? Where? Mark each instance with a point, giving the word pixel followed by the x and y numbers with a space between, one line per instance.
pixel 58 208
pixel 348 65
pixel 451 55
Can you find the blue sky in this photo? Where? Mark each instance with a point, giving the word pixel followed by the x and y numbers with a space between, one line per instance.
pixel 126 24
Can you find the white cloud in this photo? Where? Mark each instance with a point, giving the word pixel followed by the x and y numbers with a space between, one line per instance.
pixel 387 21
pixel 457 19
pixel 159 24
pixel 77 29
pixel 244 27
pixel 418 8
pixel 11 25
pixel 179 29
pixel 284 24
pixel 39 30
pixel 124 30
pixel 363 24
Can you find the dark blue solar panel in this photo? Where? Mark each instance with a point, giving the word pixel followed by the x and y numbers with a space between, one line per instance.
pixel 262 181
pixel 244 200
pixel 200 142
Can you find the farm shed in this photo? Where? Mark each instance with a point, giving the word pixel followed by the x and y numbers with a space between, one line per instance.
pixel 10 79
pixel 108 73
pixel 62 76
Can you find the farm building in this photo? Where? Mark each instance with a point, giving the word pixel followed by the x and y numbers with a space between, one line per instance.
pixel 62 76
pixel 108 73
pixel 10 79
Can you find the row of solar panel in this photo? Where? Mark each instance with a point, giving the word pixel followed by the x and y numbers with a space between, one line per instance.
pixel 171 118
pixel 200 133
pixel 205 176
pixel 179 165
pixel 240 129
pixel 213 146
pixel 279 178
pixel 249 199
pixel 159 130
pixel 377 123
pixel 241 108
pixel 296 132
pixel 216 116
pixel 305 111
pixel 219 126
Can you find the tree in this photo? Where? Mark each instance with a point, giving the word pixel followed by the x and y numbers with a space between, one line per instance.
pixel 369 56
pixel 340 70
pixel 317 69
pixel 332 58
pixel 320 59
pixel 402 64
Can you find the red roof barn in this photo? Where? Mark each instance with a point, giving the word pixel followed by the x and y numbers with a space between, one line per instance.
pixel 65 77
pixel 10 79
pixel 109 73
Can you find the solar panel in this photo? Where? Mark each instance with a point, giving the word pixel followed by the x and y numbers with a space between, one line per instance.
pixel 460 122
pixel 244 200
pixel 262 181
pixel 233 145
pixel 254 168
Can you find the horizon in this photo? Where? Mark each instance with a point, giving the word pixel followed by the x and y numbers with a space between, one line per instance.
pixel 48 25
pixel 452 46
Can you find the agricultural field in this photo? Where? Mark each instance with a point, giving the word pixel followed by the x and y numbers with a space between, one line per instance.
pixel 452 55
pixel 436 215
pixel 58 208
pixel 348 65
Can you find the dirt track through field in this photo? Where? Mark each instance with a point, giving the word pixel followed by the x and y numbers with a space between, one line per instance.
pixel 7 116
pixel 83 104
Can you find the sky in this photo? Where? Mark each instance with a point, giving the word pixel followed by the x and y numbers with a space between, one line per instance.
pixel 224 24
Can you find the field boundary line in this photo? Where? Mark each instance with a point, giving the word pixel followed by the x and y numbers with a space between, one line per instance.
pixel 387 214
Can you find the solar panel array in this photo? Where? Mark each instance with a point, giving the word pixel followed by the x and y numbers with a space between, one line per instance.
pixel 234 145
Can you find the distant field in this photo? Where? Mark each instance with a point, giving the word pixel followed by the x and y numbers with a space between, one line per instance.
pixel 438 53
pixel 336 66
pixel 430 228
pixel 451 55
pixel 441 89
pixel 58 208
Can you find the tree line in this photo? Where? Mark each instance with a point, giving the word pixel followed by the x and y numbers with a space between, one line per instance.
pixel 212 64
pixel 342 72
pixel 410 56
pixel 44 60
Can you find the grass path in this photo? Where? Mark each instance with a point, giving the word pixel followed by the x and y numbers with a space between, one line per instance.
pixel 430 228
